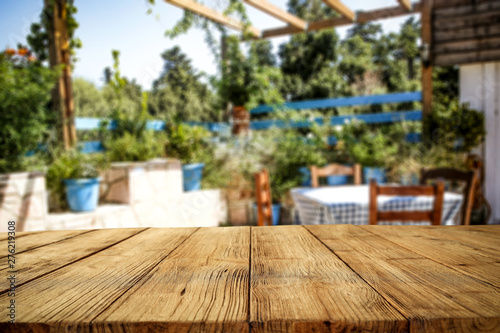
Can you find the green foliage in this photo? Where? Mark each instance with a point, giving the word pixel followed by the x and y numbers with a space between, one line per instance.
pixel 188 143
pixel 89 101
pixel 71 165
pixel 129 148
pixel 179 94
pixel 130 140
pixel 456 126
pixel 250 81
pixel 24 94
pixel 369 146
pixel 38 39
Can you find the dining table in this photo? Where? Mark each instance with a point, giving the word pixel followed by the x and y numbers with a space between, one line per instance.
pixel 349 205
pixel 296 278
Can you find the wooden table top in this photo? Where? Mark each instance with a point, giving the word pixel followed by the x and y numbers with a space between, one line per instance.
pixel 238 279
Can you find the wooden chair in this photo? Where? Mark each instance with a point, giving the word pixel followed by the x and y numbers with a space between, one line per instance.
pixel 434 215
pixel 263 198
pixel 335 169
pixel 468 177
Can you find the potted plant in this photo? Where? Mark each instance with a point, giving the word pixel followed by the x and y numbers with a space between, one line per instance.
pixel 190 145
pixel 80 175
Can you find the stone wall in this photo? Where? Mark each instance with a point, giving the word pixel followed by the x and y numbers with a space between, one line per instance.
pixel 23 199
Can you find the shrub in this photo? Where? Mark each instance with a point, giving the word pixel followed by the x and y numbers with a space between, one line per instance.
pixel 25 91
pixel 188 143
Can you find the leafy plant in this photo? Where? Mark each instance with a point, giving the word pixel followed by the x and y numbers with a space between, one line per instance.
pixel 188 143
pixel 129 148
pixel 369 147
pixel 71 165
pixel 455 126
pixel 24 94
pixel 130 139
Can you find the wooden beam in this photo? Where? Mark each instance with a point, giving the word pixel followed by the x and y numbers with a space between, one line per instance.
pixel 426 20
pixel 341 8
pixel 405 3
pixel 388 12
pixel 211 15
pixel 278 13
pixel 59 56
pixel 362 17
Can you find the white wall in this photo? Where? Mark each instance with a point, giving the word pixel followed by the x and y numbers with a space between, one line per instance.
pixel 480 86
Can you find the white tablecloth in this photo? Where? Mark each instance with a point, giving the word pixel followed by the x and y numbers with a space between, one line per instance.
pixel 349 205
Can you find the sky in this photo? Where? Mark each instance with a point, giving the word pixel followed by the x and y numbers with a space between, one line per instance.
pixel 125 26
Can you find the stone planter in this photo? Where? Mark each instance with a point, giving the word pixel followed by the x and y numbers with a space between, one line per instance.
pixel 23 199
pixel 135 183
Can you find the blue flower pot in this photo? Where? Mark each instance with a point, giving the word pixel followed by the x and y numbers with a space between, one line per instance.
pixel 82 194
pixel 306 176
pixel 276 213
pixel 374 173
pixel 191 176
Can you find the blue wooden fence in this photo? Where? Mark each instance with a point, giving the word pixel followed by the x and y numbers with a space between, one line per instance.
pixel 343 101
pixel 378 118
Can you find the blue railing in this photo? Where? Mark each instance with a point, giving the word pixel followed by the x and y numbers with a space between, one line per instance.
pixel 343 101
pixel 378 118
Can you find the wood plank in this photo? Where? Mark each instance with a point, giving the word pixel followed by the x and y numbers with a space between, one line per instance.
pixel 278 13
pixel 455 3
pixel 5 236
pixel 37 239
pixel 406 4
pixel 211 15
pixel 49 258
pixel 328 23
pixel 466 57
pixel 465 34
pixel 388 12
pixel 69 298
pixel 478 262
pixel 433 297
pixel 474 45
pixel 340 8
pixel 463 10
pixel 297 284
pixel 203 286
pixel 362 17
pixel 470 20
pixel 427 42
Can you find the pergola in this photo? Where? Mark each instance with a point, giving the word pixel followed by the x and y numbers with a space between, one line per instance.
pixel 453 32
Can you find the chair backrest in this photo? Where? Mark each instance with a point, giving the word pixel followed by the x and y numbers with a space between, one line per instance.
pixel 450 174
pixel 335 169
pixel 263 198
pixel 434 215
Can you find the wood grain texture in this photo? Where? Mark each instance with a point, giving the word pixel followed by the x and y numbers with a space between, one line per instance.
pixel 69 298
pixel 482 263
pixel 32 240
pixel 43 260
pixel 432 296
pixel 297 284
pixel 201 286
pixel 278 13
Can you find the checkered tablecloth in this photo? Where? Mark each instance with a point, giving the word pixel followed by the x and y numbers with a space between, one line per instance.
pixel 349 205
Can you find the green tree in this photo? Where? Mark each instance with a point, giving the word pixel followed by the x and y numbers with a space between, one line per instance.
pixel 179 93
pixel 89 101
pixel 24 96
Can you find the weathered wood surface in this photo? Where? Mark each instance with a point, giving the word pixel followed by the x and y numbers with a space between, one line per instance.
pixel 287 278
pixel 465 31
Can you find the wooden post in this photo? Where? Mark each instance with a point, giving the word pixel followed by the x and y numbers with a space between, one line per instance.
pixel 426 57
pixel 59 55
